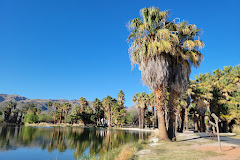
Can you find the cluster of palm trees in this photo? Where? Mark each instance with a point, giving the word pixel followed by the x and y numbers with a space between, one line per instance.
pixel 217 93
pixel 14 115
pixel 110 108
pixel 164 51
pixel 60 110
pixel 114 109
pixel 142 101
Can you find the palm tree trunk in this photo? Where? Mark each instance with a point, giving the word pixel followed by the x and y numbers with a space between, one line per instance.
pixel 139 117
pixel 160 100
pixel 186 119
pixel 55 117
pixel 182 119
pixel 60 117
pixel 65 117
pixel 142 116
pixel 153 114
pixel 172 104
pixel 109 118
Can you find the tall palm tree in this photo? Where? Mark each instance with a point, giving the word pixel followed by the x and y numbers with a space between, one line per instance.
pixel 144 101
pixel 152 104
pixel 50 104
pixel 66 107
pixel 121 98
pixel 61 110
pixel 164 51
pixel 83 102
pixel 97 105
pixel 56 106
pixel 136 100
pixel 107 104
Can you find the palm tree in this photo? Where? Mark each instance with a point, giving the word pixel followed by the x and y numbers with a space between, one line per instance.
pixel 121 98
pixel 83 102
pixel 50 104
pixel 60 110
pixel 144 101
pixel 136 100
pixel 164 51
pixel 66 107
pixel 152 104
pixel 107 104
pixel 97 105
pixel 56 106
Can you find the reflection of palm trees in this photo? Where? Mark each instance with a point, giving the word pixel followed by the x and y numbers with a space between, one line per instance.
pixel 90 142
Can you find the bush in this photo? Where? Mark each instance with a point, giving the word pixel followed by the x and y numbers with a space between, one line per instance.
pixel 236 129
pixel 30 118
pixel 45 118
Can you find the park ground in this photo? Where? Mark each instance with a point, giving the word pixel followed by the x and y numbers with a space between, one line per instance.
pixel 191 146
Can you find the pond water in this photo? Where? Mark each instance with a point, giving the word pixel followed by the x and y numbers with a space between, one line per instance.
pixel 57 143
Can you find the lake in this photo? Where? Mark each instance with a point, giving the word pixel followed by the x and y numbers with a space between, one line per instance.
pixel 58 143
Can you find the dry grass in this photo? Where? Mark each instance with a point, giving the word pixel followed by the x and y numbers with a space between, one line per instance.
pixel 125 154
pixel 236 129
pixel 176 151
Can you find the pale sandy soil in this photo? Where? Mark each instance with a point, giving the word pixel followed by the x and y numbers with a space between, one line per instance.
pixel 54 125
pixel 137 129
pixel 229 151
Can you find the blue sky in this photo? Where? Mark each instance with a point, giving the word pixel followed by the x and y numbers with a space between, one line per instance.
pixel 59 49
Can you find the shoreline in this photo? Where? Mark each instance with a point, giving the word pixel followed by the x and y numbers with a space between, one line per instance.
pixel 138 129
pixel 86 126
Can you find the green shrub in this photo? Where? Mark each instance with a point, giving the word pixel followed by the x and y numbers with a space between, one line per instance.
pixel 45 118
pixel 30 118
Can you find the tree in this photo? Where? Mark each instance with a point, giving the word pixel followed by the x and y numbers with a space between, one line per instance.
pixel 56 107
pixel 164 51
pixel 31 118
pixel 83 102
pixel 107 104
pixel 97 105
pixel 66 107
pixel 50 104
pixel 144 101
pixel 121 98
pixel 137 101
pixel 152 104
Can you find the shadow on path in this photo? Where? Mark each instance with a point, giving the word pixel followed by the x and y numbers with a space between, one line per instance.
pixel 224 139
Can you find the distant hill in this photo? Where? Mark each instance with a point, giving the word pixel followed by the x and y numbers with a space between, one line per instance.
pixel 41 103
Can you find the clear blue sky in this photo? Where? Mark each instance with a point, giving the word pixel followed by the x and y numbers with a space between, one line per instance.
pixel 61 49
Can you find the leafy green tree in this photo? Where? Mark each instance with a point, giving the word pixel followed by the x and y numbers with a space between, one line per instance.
pixel 31 118
pixel 45 118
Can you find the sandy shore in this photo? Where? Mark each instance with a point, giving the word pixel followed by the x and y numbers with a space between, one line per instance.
pixel 138 129
pixel 54 125
pixel 81 125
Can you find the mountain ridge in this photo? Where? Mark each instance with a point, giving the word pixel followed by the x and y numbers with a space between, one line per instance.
pixel 41 103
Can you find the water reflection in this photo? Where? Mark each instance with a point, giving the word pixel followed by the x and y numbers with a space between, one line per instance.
pixel 83 141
